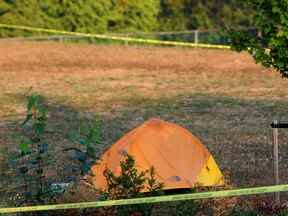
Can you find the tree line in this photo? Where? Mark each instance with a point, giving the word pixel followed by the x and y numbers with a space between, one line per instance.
pixel 124 15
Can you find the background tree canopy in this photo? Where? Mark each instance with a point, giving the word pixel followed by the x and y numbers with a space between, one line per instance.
pixel 123 15
pixel 270 48
pixel 205 14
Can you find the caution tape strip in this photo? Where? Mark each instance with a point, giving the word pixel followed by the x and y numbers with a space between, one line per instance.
pixel 156 199
pixel 116 38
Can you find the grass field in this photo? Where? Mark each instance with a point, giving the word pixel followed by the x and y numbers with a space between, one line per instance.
pixel 222 97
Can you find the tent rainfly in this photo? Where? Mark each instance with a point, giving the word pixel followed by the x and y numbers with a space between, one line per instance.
pixel 179 158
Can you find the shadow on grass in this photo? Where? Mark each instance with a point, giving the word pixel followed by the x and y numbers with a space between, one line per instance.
pixel 237 132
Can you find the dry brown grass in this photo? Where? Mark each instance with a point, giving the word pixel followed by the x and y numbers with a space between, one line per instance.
pixel 221 96
pixel 98 76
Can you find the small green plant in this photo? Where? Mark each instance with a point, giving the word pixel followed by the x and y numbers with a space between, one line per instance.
pixel 89 139
pixel 30 159
pixel 36 114
pixel 129 184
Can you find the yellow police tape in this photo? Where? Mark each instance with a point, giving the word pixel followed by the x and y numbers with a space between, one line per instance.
pixel 117 38
pixel 156 199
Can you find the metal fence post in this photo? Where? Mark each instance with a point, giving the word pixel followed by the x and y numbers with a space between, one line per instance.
pixel 276 158
pixel 126 41
pixel 196 36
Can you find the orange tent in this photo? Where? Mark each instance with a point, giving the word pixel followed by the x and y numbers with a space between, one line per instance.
pixel 179 158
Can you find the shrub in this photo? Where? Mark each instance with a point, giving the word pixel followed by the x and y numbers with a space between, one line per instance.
pixel 129 184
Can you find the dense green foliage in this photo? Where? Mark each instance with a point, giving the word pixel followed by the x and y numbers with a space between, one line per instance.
pixel 83 16
pixel 195 14
pixel 135 15
pixel 270 47
pixel 123 15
